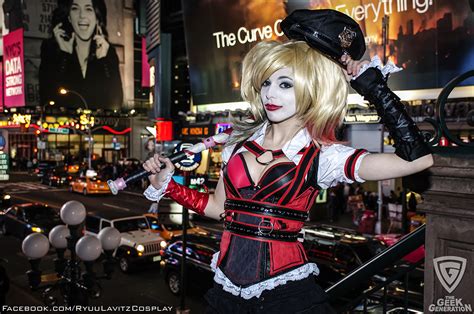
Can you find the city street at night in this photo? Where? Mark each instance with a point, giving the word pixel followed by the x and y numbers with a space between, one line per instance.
pixel 237 156
pixel 143 287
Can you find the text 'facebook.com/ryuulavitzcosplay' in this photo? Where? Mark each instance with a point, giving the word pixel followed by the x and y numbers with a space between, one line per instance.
pixel 85 308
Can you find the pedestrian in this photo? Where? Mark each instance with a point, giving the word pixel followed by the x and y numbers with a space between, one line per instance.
pixel 29 166
pixel 276 161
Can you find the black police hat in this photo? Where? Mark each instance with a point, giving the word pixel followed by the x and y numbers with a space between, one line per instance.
pixel 330 31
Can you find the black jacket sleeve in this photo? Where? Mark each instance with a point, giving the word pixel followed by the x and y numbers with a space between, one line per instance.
pixel 409 142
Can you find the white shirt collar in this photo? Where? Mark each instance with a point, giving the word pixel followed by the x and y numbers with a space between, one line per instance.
pixel 291 148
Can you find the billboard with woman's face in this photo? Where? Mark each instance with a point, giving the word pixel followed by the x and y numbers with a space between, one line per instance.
pixel 433 40
pixel 75 45
pixel 79 57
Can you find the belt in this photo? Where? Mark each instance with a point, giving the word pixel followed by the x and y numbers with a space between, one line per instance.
pixel 262 233
pixel 265 209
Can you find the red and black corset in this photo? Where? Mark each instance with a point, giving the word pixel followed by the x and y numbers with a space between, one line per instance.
pixel 262 219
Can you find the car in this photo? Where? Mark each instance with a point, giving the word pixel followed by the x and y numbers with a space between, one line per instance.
pixel 22 219
pixel 5 199
pixel 168 228
pixel 73 168
pixel 199 252
pixel 56 176
pixel 89 185
pixel 339 251
pixel 138 245
pixel 44 166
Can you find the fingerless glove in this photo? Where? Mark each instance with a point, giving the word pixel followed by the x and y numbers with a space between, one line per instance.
pixel 409 142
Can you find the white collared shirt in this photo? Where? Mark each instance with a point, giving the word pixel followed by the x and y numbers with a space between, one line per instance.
pixel 332 157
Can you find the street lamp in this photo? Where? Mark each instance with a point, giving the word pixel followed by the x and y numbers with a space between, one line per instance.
pixel 64 91
pixel 74 286
pixel 40 124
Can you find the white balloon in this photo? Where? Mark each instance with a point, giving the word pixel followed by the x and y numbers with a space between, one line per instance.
pixel 110 238
pixel 35 245
pixel 88 248
pixel 73 213
pixel 57 236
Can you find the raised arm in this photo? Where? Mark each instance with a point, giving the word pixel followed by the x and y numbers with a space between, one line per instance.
pixel 412 154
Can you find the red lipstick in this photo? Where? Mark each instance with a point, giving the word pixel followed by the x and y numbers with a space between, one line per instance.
pixel 272 107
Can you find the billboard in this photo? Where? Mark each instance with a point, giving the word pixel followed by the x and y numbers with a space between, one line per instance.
pixel 13 69
pixel 433 40
pixel 76 45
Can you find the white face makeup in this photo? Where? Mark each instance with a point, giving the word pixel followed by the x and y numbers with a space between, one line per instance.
pixel 278 96
pixel 83 19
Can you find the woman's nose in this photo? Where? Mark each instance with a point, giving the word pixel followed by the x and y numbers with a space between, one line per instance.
pixel 270 92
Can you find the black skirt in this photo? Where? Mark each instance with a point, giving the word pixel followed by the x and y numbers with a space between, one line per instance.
pixel 302 296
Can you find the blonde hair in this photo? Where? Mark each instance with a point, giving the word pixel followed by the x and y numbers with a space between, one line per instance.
pixel 320 88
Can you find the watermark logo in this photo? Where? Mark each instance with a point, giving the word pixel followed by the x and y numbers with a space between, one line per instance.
pixel 450 270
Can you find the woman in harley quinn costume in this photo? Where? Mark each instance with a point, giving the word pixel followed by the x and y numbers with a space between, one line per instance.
pixel 274 166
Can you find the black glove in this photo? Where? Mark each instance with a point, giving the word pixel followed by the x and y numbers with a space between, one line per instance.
pixel 409 142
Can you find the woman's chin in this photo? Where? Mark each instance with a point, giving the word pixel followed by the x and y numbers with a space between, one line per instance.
pixel 277 120
pixel 84 36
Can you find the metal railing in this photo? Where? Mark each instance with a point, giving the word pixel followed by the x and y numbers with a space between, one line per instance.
pixel 347 293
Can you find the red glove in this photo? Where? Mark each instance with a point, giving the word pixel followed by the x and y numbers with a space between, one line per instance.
pixel 187 197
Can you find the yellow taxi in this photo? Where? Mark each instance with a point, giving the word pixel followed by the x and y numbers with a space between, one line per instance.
pixel 89 185
pixel 169 229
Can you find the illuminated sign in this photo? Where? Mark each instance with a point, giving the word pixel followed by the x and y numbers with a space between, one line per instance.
pixel 189 164
pixel 22 119
pixel 13 66
pixel 86 119
pixel 164 130
pixel 221 127
pixel 322 197
pixel 195 131
pixel 4 167
pixel 197 181
pixel 58 130
pixel 361 118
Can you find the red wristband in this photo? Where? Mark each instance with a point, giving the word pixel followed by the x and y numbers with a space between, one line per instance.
pixel 189 198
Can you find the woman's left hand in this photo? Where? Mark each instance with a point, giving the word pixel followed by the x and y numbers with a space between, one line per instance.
pixel 101 44
pixel 352 67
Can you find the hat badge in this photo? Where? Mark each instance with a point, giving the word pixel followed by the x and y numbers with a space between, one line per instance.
pixel 346 37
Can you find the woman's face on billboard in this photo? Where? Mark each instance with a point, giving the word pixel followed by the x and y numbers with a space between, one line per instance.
pixel 83 19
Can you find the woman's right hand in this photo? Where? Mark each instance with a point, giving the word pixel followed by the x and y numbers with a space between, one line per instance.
pixel 60 35
pixel 158 176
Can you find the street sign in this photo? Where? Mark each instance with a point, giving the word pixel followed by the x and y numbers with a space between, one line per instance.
pixel 189 164
pixel 59 130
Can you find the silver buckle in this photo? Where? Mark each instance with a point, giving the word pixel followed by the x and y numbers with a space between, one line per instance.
pixel 264 231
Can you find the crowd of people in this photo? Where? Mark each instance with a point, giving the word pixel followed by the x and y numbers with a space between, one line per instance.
pixel 338 200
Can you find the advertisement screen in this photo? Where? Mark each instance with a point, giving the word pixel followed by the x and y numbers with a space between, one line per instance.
pixel 1 85
pixel 13 69
pixel 77 54
pixel 74 45
pixel 432 40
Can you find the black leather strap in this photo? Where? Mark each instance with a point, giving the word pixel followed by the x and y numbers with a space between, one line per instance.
pixel 260 233
pixel 265 209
